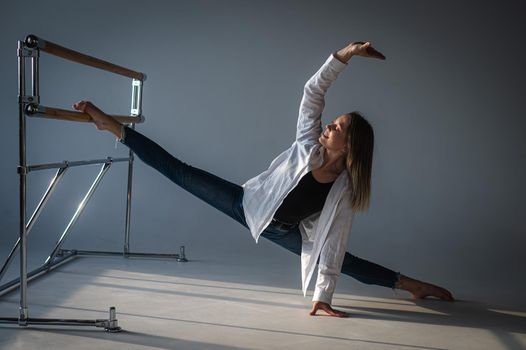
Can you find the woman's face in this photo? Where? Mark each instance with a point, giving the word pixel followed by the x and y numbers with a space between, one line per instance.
pixel 333 136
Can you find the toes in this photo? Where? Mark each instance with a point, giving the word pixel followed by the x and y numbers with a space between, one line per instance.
pixel 79 105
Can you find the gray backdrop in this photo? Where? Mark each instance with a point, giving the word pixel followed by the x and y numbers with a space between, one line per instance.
pixel 224 82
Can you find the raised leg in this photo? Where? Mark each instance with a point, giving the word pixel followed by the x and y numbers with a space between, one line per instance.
pixel 219 193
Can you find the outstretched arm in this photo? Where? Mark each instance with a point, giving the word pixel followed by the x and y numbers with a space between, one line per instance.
pixel 313 101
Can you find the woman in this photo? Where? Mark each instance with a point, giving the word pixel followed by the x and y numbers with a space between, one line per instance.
pixel 306 200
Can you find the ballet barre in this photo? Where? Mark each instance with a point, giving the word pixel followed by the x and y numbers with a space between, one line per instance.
pixel 34 42
pixel 29 106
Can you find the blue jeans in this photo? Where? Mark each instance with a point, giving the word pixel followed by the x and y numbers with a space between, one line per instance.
pixel 227 197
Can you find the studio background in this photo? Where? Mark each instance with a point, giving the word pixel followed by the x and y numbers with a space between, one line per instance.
pixel 224 83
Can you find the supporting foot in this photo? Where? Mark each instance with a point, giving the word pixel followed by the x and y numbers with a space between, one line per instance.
pixel 318 305
pixel 421 290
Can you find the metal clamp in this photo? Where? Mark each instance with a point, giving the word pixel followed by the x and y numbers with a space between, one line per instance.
pixel 31 108
pixel 28 52
pixel 22 170
pixel 136 103
pixel 28 99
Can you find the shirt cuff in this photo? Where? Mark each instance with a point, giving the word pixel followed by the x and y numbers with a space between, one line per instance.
pixel 336 63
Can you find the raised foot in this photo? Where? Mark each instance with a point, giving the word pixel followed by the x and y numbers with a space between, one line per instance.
pixel 102 120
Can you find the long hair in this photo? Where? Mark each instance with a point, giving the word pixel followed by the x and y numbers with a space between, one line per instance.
pixel 359 160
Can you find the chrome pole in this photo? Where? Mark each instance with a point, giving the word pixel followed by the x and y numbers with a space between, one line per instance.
pixel 136 110
pixel 22 320
pixel 128 203
pixel 34 217
pixel 79 210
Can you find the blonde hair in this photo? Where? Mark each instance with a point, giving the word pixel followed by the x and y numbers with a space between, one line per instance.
pixel 359 160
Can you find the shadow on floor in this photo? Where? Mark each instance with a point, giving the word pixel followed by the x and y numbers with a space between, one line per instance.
pixel 127 337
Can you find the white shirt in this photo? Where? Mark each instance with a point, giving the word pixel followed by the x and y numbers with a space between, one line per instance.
pixel 325 233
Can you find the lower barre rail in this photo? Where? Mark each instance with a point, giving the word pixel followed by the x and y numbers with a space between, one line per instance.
pixel 33 110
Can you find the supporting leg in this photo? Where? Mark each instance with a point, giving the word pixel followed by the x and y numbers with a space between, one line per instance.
pixel 368 272
pixel 362 270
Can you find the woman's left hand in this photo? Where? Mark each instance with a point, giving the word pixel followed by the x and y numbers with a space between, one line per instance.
pixel 318 305
pixel 358 48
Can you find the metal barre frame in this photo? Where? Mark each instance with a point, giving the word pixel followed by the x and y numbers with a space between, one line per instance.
pixel 29 106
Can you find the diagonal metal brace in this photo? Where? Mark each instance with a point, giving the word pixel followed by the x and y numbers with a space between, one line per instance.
pixel 58 175
pixel 105 167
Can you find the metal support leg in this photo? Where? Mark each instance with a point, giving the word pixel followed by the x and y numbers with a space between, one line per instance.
pixel 109 325
pixel 40 271
pixel 79 210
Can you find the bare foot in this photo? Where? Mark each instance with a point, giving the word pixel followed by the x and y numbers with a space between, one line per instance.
pixel 421 290
pixel 102 120
pixel 318 305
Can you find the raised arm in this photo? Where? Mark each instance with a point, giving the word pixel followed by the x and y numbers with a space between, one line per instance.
pixel 313 101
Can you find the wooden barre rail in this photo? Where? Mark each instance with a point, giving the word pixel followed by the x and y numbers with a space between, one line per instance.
pixel 64 114
pixel 33 42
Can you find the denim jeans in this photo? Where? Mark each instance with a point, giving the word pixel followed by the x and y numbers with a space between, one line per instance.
pixel 227 197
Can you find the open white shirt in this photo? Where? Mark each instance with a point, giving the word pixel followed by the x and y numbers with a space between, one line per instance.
pixel 325 233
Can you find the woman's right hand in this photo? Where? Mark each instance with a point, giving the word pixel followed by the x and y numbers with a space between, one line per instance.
pixel 358 48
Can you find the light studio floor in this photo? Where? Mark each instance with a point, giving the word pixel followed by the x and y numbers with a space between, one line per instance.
pixel 232 302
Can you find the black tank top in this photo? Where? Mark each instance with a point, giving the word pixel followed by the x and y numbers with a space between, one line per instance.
pixel 307 198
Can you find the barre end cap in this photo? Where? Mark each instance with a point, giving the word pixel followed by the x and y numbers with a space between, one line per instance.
pixel 31 41
pixel 31 109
